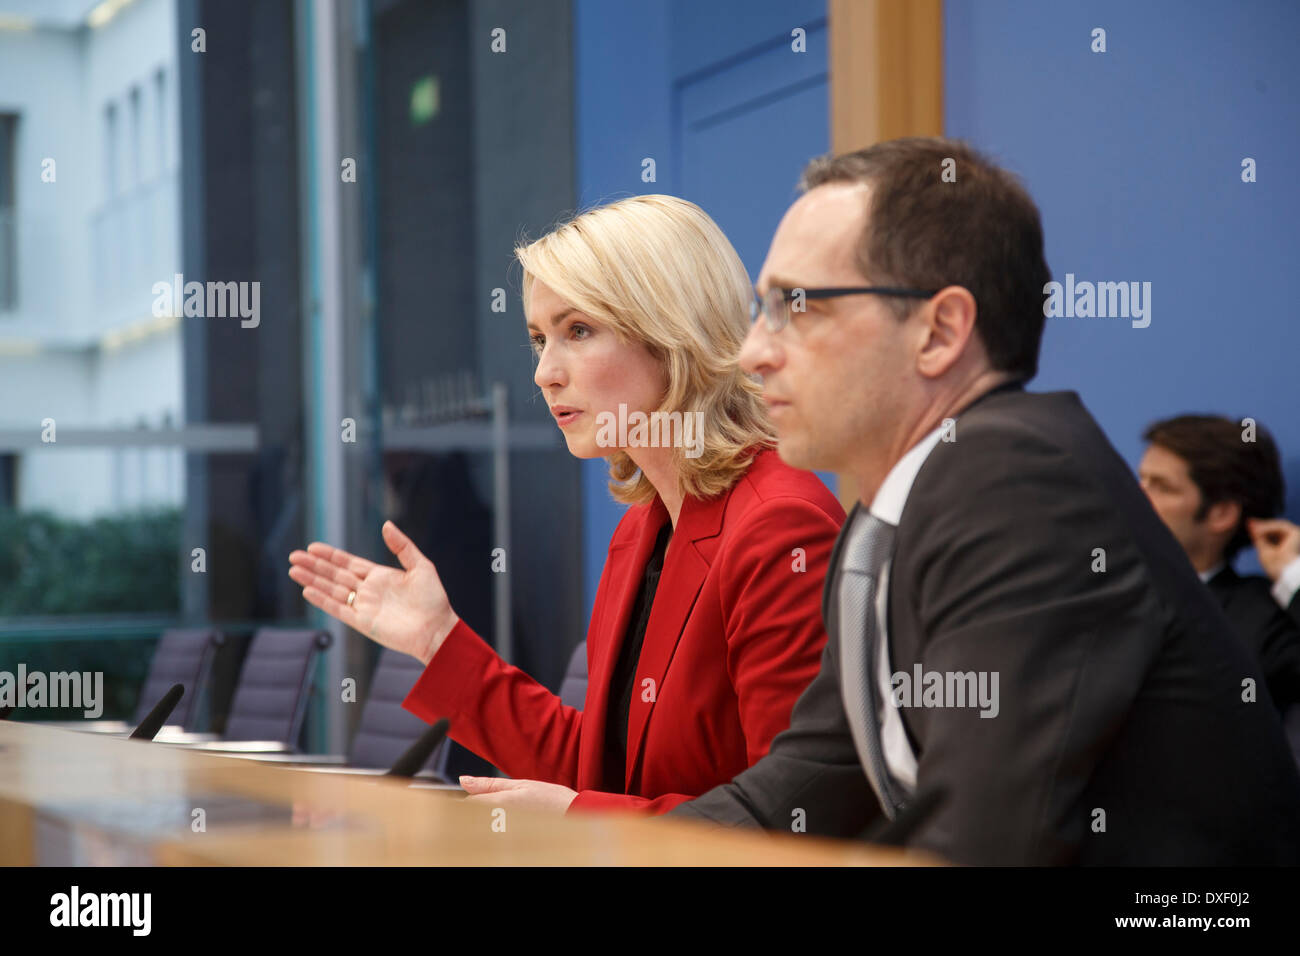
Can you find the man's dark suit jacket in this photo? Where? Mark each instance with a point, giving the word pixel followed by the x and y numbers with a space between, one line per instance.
pixel 1267 630
pixel 1122 736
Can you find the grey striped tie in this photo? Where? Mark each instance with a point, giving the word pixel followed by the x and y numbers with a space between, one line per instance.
pixel 859 634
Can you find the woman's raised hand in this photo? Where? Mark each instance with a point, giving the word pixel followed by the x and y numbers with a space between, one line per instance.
pixel 405 609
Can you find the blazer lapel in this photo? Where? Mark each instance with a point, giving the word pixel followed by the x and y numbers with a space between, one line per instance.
pixel 685 569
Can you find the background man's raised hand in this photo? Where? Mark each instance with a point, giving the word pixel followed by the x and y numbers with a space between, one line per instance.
pixel 1277 542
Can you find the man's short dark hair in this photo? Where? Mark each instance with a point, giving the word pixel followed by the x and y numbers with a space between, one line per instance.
pixel 981 231
pixel 1224 466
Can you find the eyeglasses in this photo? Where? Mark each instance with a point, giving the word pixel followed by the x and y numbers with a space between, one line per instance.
pixel 775 303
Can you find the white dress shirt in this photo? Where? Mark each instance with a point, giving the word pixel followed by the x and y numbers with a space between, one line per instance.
pixel 1284 588
pixel 1287 583
pixel 1206 575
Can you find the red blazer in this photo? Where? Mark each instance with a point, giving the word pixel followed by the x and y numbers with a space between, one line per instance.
pixel 735 634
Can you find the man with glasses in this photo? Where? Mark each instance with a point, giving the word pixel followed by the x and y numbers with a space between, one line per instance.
pixel 1021 667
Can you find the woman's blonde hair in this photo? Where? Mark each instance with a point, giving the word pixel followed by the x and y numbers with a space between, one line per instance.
pixel 658 271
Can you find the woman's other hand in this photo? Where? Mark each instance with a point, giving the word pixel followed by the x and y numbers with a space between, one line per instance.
pixel 531 794
pixel 403 608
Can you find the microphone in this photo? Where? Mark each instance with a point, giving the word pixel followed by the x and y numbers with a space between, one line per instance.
pixel 897 831
pixel 409 763
pixel 150 726
pixel 6 711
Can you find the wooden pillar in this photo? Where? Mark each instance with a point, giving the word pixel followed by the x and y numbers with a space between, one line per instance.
pixel 886 81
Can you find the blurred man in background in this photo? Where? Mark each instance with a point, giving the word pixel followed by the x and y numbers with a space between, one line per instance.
pixel 1207 478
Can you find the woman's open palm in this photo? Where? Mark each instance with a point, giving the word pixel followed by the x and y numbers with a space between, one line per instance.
pixel 403 608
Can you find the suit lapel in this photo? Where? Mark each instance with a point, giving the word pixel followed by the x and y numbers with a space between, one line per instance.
pixel 685 569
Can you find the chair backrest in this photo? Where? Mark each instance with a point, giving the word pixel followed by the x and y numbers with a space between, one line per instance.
pixel 183 656
pixel 573 689
pixel 386 729
pixel 270 702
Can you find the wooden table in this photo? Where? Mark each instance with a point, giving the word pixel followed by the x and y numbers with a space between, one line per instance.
pixel 73 798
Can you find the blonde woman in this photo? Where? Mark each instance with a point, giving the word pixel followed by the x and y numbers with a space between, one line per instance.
pixel 706 625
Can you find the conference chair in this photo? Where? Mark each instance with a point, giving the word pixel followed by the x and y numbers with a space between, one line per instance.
pixel 573 689
pixel 183 656
pixel 385 732
pixel 270 702
pixel 387 729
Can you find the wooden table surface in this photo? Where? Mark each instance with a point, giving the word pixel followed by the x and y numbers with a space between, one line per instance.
pixel 75 798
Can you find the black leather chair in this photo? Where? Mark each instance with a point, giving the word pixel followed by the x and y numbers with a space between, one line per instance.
pixel 573 689
pixel 183 656
pixel 386 730
pixel 270 701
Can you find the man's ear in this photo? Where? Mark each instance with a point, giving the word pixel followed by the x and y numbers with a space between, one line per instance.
pixel 949 331
pixel 1222 516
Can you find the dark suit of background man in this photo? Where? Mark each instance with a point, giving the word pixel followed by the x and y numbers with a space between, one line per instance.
pixel 1277 542
pixel 1012 541
pixel 1207 476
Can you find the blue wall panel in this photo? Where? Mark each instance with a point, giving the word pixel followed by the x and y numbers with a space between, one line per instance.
pixel 1134 156
pixel 745 131
pixel 714 94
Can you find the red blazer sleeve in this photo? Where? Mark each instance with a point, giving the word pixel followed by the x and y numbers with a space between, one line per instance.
pixel 770 579
pixel 498 711
pixel 596 801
